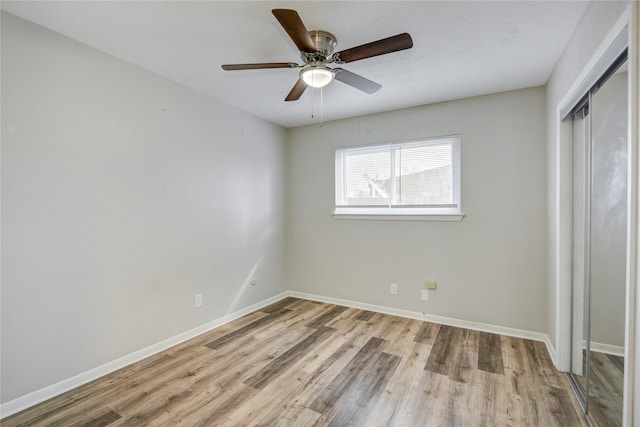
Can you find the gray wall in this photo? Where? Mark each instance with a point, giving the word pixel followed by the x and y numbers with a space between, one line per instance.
pixel 490 268
pixel 123 195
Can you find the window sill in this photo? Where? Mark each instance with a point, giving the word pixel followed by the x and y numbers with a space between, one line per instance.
pixel 400 217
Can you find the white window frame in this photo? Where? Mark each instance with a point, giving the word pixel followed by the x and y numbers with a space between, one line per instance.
pixel 451 212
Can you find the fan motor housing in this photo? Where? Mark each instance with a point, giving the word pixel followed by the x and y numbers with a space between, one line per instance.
pixel 325 43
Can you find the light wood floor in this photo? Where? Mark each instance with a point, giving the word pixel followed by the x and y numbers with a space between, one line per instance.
pixel 301 363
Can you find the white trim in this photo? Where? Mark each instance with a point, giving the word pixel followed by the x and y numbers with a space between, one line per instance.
pixel 401 217
pixel 562 269
pixel 598 347
pixel 604 61
pixel 441 320
pixel 28 400
pixel 551 349
pixel 631 396
pixel 594 63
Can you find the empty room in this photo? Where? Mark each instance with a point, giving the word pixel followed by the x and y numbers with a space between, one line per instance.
pixel 319 213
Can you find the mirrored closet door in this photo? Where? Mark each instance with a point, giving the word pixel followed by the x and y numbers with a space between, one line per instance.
pixel 600 169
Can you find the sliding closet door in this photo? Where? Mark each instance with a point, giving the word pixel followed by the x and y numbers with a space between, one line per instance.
pixel 599 228
pixel 608 245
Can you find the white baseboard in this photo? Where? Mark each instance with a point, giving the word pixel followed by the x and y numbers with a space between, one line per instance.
pixel 38 396
pixel 449 321
pixel 28 400
pixel 614 350
pixel 551 350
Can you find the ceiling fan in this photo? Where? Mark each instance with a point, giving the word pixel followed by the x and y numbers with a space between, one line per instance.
pixel 317 49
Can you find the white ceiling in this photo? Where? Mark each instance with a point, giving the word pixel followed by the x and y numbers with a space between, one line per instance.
pixel 461 49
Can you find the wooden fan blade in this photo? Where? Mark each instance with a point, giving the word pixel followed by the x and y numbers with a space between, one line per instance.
pixel 232 67
pixel 356 81
pixel 292 24
pixel 297 91
pixel 380 47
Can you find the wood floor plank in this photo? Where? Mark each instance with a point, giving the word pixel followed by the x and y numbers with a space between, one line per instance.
pixel 192 409
pixel 291 356
pixel 226 371
pixel 365 315
pixel 216 411
pixel 234 368
pixel 144 411
pixel 541 365
pixel 300 314
pixel 257 408
pixel 428 332
pixel 208 399
pixel 489 397
pixel 562 400
pixel 310 388
pixel 326 317
pixel 400 340
pixel 296 415
pixel 200 340
pixel 419 405
pixel 345 379
pixel 526 374
pixel 149 364
pixel 454 353
pixel 391 328
pixel 300 362
pixel 327 354
pixel 364 396
pixel 279 305
pixel 520 383
pixel 85 396
pixel 94 400
pixel 404 386
pixel 490 353
pixel 464 356
pixel 104 418
pixel 263 321
pixel 358 332
pixel 440 357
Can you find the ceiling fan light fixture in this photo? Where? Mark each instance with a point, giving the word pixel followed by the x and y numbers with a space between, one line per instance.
pixel 316 76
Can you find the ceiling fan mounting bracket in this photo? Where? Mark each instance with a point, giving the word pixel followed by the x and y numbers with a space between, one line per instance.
pixel 325 43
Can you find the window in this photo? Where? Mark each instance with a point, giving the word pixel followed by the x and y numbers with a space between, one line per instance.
pixel 413 178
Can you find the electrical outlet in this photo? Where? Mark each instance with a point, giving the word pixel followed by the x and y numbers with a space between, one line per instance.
pixel 393 289
pixel 198 302
pixel 424 295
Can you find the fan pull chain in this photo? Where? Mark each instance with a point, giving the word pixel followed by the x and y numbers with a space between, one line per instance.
pixel 321 109
pixel 313 105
